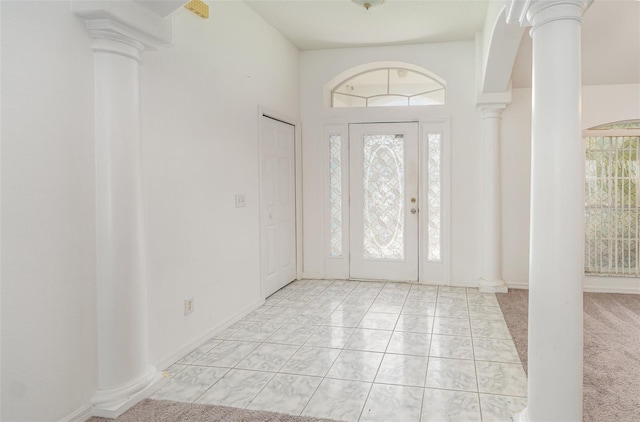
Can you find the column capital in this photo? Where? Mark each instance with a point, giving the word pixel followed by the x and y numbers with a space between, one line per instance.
pixel 493 100
pixel 108 41
pixel 128 23
pixel 491 111
pixel 539 12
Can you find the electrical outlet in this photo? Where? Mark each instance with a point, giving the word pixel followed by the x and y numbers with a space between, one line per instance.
pixel 188 307
pixel 240 200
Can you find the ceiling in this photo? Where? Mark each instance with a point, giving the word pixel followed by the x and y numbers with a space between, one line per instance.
pixel 610 33
pixel 314 24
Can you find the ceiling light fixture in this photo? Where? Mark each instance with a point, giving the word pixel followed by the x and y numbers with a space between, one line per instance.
pixel 368 3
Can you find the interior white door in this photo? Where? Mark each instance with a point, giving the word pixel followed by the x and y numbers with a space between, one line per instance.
pixel 278 204
pixel 384 201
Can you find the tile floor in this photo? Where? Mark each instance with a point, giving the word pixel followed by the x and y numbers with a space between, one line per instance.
pixel 364 351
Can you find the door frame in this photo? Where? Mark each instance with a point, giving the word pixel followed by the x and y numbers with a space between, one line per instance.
pixel 297 147
pixel 338 267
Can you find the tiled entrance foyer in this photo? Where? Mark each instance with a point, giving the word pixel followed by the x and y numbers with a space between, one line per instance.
pixel 364 351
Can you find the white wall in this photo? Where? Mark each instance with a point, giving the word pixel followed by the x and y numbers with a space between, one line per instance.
pixel 200 117
pixel 609 103
pixel 600 104
pixel 455 62
pixel 48 229
pixel 516 182
pixel 200 102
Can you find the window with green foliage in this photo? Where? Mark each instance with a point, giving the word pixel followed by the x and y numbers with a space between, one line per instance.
pixel 612 199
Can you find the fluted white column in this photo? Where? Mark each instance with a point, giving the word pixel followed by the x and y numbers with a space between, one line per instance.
pixel 121 31
pixel 557 212
pixel 491 206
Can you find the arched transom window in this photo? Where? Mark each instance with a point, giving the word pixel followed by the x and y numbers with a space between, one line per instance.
pixel 388 87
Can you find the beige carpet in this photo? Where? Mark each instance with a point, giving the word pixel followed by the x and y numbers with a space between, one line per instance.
pixel 611 351
pixel 170 411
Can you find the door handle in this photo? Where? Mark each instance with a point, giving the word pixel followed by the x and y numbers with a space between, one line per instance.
pixel 413 210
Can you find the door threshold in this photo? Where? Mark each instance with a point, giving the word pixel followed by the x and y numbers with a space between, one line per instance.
pixel 384 281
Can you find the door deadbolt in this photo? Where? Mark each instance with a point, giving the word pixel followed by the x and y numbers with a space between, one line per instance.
pixel 413 200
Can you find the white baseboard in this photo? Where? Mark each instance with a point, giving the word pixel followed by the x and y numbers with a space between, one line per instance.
pixel 509 284
pixel 600 284
pixel 597 284
pixel 172 358
pixel 518 285
pixel 85 412
pixel 79 415
pixel 312 276
pixel 459 283
pixel 113 402
pixel 492 286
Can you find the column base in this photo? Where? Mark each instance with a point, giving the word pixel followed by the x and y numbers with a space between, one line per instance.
pixel 492 286
pixel 522 416
pixel 114 402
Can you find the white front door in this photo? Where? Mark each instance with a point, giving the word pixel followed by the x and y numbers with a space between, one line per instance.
pixel 278 204
pixel 384 201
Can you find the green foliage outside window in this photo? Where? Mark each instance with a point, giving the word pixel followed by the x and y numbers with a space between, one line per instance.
pixel 612 203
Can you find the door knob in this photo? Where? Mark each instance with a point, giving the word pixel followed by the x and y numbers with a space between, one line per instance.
pixel 413 210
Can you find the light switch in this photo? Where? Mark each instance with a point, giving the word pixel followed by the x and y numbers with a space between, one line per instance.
pixel 240 200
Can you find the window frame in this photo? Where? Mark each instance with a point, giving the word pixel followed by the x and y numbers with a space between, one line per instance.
pixel 594 259
pixel 388 94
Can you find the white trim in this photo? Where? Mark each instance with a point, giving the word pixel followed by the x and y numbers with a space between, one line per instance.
pixel 343 76
pixel 172 358
pixel 366 115
pixel 380 280
pixel 113 402
pixel 115 43
pixel 313 276
pixel 437 80
pixel 129 19
pixel 594 133
pixel 437 123
pixel 600 284
pixel 604 289
pixel 596 261
pixel 458 283
pixel 492 286
pixel 597 284
pixel 79 415
pixel 267 112
pixel 518 285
